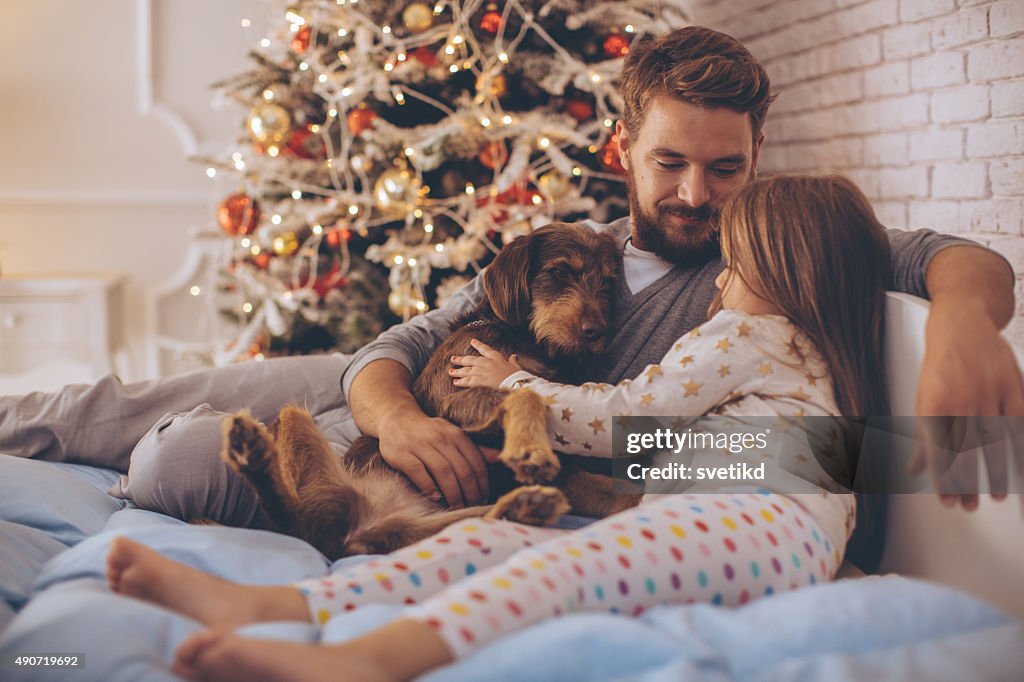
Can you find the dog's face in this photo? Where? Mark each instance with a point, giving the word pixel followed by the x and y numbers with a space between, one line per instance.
pixel 560 280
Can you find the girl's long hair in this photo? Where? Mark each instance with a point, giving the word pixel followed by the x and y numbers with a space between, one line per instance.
pixel 812 246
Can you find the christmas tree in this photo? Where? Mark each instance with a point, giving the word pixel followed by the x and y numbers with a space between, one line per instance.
pixel 390 150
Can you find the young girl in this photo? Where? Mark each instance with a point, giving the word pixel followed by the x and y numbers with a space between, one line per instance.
pixel 798 331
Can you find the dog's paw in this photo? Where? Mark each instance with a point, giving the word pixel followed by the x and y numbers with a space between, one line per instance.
pixel 246 444
pixel 534 505
pixel 531 462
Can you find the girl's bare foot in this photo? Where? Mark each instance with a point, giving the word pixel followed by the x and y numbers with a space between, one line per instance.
pixel 138 571
pixel 214 655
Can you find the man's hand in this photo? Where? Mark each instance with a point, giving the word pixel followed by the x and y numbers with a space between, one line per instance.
pixel 969 370
pixel 434 453
pixel 438 457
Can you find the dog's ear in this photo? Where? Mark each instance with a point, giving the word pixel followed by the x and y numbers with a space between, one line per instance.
pixel 507 281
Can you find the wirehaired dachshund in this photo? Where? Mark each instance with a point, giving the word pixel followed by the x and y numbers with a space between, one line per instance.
pixel 548 298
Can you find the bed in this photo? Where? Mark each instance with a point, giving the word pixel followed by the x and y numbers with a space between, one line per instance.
pixel 56 524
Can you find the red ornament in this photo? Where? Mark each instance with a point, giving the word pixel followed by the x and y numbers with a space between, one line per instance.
pixel 490 22
pixel 580 109
pixel 425 56
pixel 304 144
pixel 494 155
pixel 300 43
pixel 609 156
pixel 238 214
pixel 361 119
pixel 616 45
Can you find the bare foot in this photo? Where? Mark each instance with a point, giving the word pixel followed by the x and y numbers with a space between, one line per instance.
pixel 138 571
pixel 214 655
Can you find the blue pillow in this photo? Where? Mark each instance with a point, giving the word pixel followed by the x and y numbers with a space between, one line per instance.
pixel 67 502
pixel 23 551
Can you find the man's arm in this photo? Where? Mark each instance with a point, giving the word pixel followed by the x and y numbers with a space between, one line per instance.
pixel 435 454
pixel 969 369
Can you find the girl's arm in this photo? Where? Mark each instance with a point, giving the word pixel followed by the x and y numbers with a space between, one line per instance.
pixel 707 367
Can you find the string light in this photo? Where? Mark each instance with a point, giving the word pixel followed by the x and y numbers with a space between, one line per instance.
pixel 276 219
pixel 246 23
pixel 247 307
pixel 211 172
pixel 195 290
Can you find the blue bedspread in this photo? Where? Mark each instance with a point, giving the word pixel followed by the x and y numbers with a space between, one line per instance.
pixel 58 523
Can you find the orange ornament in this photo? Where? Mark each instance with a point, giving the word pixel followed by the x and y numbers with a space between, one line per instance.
pixel 238 214
pixel 616 45
pixel 494 155
pixel 490 22
pixel 300 43
pixel 580 109
pixel 361 119
pixel 261 260
pixel 337 235
pixel 609 156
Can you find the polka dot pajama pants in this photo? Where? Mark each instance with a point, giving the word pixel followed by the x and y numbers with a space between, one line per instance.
pixel 479 580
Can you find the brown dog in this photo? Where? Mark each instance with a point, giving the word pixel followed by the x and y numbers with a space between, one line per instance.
pixel 548 300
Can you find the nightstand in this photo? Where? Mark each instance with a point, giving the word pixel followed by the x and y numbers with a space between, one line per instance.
pixel 57 330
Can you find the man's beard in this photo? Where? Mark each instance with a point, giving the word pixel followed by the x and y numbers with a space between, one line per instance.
pixel 688 246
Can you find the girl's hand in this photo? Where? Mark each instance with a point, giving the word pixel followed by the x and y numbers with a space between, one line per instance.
pixel 487 369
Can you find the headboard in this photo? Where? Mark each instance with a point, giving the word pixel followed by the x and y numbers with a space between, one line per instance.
pixel 980 552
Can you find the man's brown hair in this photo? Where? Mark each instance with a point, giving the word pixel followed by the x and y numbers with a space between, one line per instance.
pixel 699 66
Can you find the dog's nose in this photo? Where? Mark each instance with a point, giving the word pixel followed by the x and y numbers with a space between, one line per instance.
pixel 592 331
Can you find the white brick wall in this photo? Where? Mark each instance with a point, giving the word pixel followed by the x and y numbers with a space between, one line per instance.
pixel 921 102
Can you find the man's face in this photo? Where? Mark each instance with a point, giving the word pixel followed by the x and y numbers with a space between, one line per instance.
pixel 680 166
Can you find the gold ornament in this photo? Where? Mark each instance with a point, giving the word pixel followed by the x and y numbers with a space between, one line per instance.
pixel 396 191
pixel 554 185
pixel 417 17
pixel 286 244
pixel 498 85
pixel 404 302
pixel 269 123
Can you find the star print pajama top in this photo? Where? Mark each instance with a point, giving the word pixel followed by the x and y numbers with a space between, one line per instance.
pixel 482 579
